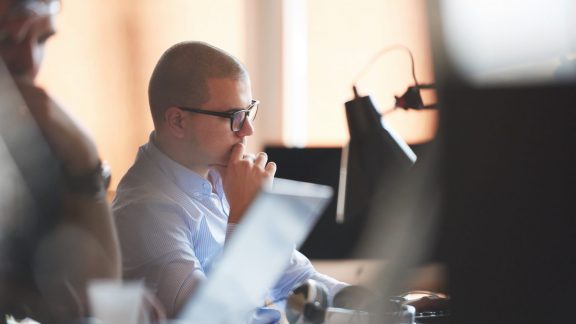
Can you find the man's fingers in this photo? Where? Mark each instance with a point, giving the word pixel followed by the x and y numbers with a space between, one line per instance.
pixel 249 156
pixel 270 169
pixel 261 159
pixel 237 152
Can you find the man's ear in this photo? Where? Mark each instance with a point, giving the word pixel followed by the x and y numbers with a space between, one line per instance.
pixel 175 121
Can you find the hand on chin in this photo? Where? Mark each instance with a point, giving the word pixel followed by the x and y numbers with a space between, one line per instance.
pixel 222 162
pixel 243 177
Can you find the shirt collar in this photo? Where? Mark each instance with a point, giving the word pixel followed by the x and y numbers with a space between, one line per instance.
pixel 189 181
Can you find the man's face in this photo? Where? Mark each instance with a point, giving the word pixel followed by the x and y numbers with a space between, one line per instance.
pixel 22 40
pixel 210 137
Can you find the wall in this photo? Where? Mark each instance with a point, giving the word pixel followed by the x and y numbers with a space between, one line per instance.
pixel 99 63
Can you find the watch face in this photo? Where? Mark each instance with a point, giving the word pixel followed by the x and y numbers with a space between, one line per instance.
pixel 106 173
pixel 92 183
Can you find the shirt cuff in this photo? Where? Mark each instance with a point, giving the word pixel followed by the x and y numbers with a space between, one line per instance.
pixel 333 285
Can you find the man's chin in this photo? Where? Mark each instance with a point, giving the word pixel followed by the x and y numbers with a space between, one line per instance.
pixel 223 160
pixel 222 163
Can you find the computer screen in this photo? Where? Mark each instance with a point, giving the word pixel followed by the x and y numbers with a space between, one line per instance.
pixel 331 239
pixel 328 239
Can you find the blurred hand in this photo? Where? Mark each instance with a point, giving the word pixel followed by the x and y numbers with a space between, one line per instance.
pixel 153 310
pixel 69 143
pixel 243 177
pixel 266 315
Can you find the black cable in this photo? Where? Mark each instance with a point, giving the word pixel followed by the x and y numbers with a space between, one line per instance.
pixel 378 55
pixel 412 98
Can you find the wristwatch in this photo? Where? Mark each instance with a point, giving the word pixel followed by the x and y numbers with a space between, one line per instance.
pixel 92 182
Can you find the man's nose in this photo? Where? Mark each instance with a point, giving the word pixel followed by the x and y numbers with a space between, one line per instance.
pixel 247 129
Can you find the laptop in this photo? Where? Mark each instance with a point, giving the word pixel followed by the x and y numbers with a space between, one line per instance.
pixel 276 223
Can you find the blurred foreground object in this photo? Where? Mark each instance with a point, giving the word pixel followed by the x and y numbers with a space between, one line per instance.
pixel 507 137
pixel 57 231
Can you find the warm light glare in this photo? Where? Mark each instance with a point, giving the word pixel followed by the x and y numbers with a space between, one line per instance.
pixel 99 63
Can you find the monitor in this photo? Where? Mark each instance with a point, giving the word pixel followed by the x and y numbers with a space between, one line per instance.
pixel 330 239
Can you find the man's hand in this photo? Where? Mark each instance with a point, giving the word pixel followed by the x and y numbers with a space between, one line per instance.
pixel 69 143
pixel 243 178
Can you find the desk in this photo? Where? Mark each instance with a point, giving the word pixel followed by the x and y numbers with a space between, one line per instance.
pixel 352 271
pixel 431 277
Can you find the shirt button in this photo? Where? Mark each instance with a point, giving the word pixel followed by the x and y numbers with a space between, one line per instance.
pixel 207 187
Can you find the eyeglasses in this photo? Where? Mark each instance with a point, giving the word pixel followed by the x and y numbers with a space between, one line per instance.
pixel 237 116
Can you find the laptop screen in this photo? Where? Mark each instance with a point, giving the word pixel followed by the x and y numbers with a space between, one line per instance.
pixel 254 258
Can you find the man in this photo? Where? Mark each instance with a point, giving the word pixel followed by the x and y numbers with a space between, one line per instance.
pixel 82 245
pixel 192 181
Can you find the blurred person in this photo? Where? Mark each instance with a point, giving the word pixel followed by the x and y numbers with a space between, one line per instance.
pixel 82 245
pixel 192 182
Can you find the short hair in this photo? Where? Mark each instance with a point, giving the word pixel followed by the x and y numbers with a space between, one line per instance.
pixel 179 78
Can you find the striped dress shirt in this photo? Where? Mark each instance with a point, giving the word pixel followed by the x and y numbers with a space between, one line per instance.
pixel 172 225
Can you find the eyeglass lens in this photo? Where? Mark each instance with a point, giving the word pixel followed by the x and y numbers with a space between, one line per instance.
pixel 239 118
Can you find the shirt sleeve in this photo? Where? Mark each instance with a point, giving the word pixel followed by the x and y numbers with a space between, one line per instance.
pixel 157 246
pixel 299 270
pixel 333 285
